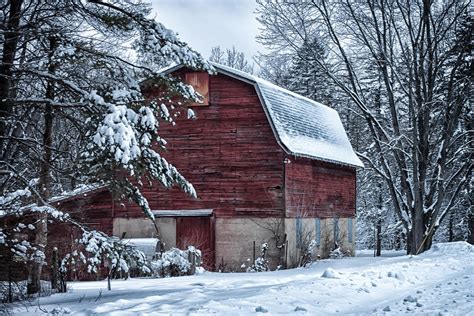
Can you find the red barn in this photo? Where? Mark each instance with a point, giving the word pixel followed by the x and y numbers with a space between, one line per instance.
pixel 268 165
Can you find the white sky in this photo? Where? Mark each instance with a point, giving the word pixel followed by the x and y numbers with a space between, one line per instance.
pixel 204 24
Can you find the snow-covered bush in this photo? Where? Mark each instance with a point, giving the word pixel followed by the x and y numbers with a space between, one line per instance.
pixel 331 274
pixel 101 251
pixel 261 263
pixel 17 291
pixel 176 262
pixel 12 291
pixel 308 253
pixel 339 253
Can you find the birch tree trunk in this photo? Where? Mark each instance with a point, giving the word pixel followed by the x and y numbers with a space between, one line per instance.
pixel 41 239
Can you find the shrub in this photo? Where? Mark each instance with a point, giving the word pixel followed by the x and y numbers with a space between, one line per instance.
pixel 176 262
pixel 260 264
pixel 339 253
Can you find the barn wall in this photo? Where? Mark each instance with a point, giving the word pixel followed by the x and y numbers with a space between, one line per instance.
pixel 94 209
pixel 318 189
pixel 229 154
pixel 301 231
pixel 235 242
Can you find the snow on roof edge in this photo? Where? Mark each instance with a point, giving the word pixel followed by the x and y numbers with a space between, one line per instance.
pixel 259 80
pixel 298 153
pixel 81 190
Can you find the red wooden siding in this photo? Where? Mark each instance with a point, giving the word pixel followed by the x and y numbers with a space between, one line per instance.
pixel 229 154
pixel 96 209
pixel 318 189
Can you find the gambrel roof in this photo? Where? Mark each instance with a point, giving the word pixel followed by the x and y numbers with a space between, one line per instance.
pixel 302 127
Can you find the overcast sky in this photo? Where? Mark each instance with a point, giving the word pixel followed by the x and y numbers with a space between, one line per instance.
pixel 207 23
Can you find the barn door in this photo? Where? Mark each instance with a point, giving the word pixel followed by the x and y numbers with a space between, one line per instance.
pixel 198 232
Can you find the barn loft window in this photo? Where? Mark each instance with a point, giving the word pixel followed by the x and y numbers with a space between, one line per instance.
pixel 200 83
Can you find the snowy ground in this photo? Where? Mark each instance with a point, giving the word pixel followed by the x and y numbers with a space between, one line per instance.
pixel 439 282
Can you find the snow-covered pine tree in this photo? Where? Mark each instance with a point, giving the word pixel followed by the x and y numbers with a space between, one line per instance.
pixel 72 108
pixel 306 77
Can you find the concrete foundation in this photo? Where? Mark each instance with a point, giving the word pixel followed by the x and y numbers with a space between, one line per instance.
pixel 235 239
pixel 324 233
pixel 238 240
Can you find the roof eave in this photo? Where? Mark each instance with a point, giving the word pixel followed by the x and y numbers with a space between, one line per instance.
pixel 336 162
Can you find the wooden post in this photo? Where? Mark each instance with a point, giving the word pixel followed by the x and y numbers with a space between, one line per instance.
pixel 253 252
pixel 192 260
pixel 109 287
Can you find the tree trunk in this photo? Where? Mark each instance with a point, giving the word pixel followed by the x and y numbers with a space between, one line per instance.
pixel 450 228
pixel 55 270
pixel 34 281
pixel 10 281
pixel 409 235
pixel 41 240
pixel 379 238
pixel 417 232
pixel 10 43
pixel 471 229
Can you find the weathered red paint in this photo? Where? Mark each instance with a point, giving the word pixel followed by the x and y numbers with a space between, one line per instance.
pixel 94 209
pixel 318 189
pixel 197 232
pixel 229 154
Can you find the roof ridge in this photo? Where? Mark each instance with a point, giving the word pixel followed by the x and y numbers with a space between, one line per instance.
pixel 259 80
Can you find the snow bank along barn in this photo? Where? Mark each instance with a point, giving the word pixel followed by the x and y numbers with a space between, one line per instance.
pixel 268 165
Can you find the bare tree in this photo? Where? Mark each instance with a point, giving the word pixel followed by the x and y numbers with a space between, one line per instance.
pixel 232 58
pixel 411 58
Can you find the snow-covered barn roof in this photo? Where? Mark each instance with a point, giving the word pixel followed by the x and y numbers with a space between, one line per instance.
pixel 303 127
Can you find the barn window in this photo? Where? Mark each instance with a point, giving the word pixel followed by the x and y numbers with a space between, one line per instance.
pixel 349 230
pixel 318 231
pixel 200 82
pixel 336 230
pixel 299 233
